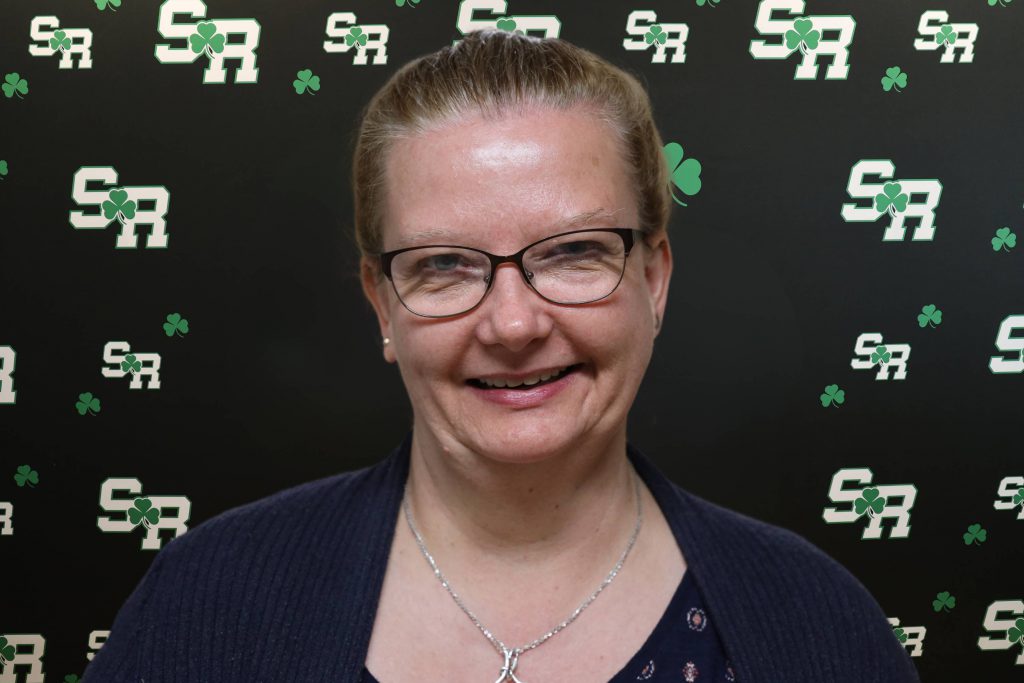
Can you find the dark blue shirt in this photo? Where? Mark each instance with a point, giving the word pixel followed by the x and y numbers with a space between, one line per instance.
pixel 684 646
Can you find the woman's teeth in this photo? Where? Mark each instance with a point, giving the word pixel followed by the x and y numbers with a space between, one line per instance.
pixel 529 381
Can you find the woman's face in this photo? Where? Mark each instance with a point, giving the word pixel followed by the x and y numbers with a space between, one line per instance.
pixel 499 186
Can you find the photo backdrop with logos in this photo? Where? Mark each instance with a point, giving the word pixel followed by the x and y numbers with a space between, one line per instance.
pixel 182 330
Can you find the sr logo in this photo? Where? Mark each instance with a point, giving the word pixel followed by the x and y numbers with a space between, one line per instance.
pixel 897 199
pixel 870 351
pixel 120 204
pixel 468 19
pixel 940 34
pixel 7 360
pixel 1011 495
pixel 138 365
pixel 27 660
pixel 152 513
pixel 1010 629
pixel 210 38
pixel 877 502
pixel 1009 344
pixel 69 42
pixel 911 637
pixel 825 35
pixel 365 38
pixel 673 37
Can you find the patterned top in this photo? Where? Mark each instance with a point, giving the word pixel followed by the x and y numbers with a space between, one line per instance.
pixel 683 648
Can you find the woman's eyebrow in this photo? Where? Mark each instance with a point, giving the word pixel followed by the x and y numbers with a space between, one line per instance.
pixel 446 236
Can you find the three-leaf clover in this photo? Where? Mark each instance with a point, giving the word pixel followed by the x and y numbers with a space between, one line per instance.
pixel 3 167
pixel 14 83
pixel 1004 3
pixel 1016 632
pixel 60 41
pixel 71 678
pixel 709 3
pixel 975 534
pixel 412 3
pixel 355 35
pixel 206 38
pixel 892 198
pixel 1004 240
pixel 87 403
pixel 118 206
pixel 929 315
pixel 943 601
pixel 880 355
pixel 102 4
pixel 131 364
pixel 946 34
pixel 894 78
pixel 306 81
pixel 833 396
pixel 143 513
pixel 802 36
pixel 869 502
pixel 26 475
pixel 683 174
pixel 508 24
pixel 900 634
pixel 1018 497
pixel 7 650
pixel 656 34
pixel 175 323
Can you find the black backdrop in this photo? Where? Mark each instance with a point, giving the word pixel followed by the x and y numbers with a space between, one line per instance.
pixel 279 378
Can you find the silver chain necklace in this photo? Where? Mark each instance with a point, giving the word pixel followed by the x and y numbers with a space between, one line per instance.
pixel 511 657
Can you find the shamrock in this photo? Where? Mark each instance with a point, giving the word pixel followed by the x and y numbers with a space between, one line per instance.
pixel 833 395
pixel 60 41
pixel 656 34
pixel 102 4
pixel 143 512
pixel 869 502
pixel 412 3
pixel 943 601
pixel 891 198
pixel 894 78
pixel 880 355
pixel 1015 632
pixel 306 80
pixel 709 3
pixel 1018 497
pixel 71 678
pixel 1004 240
pixel 685 175
pixel 801 36
pixel 355 35
pixel 206 38
pixel 15 84
pixel 175 323
pixel 929 315
pixel 508 24
pixel 7 650
pixel 26 474
pixel 3 167
pixel 1004 3
pixel 900 634
pixel 130 363
pixel 975 534
pixel 118 205
pixel 87 403
pixel 946 34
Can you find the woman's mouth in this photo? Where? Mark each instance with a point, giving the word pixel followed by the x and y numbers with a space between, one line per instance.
pixel 527 384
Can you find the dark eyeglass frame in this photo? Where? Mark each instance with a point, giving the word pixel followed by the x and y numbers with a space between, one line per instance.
pixel 630 236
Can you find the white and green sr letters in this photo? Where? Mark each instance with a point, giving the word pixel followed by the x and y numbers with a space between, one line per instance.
pixel 782 19
pixel 69 42
pixel 899 199
pixel 213 38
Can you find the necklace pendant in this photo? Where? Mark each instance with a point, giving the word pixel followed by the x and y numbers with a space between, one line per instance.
pixel 508 669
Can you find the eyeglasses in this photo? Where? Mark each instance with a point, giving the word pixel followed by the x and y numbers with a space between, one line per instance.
pixel 444 280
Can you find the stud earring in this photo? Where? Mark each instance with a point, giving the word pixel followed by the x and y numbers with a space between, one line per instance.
pixel 387 341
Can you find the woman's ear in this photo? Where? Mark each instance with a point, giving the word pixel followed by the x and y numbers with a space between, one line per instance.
pixel 658 271
pixel 375 287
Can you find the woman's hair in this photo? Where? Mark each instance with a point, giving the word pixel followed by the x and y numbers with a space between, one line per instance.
pixel 492 73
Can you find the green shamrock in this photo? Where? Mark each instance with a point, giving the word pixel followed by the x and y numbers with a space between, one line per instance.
pixel 685 175
pixel 929 315
pixel 102 4
pixel 355 35
pixel 1004 240
pixel 412 3
pixel 946 34
pixel 119 206
pixel 709 3
pixel 60 41
pixel 506 24
pixel 943 601
pixel 1018 497
pixel 900 634
pixel 869 502
pixel 893 198
pixel 801 36
pixel 975 534
pixel 656 34
pixel 131 364
pixel 306 81
pixel 1004 3
pixel 87 403
pixel 3 167
pixel 15 84
pixel 894 78
pixel 7 650
pixel 880 355
pixel 833 395
pixel 175 323
pixel 206 38
pixel 143 512
pixel 26 475
pixel 71 678
pixel 1016 632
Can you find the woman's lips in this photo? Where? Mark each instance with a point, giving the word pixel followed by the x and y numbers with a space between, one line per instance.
pixel 525 397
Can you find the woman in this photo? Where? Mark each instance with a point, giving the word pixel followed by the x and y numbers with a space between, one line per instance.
pixel 511 209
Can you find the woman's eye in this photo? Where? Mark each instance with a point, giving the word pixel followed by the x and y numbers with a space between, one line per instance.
pixel 441 262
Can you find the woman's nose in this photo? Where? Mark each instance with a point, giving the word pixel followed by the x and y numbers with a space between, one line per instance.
pixel 514 313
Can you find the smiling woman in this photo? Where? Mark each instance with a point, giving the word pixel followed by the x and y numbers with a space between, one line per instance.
pixel 511 207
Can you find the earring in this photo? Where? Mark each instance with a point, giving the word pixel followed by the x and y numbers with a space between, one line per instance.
pixel 387 341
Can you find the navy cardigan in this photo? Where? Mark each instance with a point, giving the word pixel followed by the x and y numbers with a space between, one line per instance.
pixel 286 589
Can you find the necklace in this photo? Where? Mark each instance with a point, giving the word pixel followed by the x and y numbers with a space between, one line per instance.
pixel 511 657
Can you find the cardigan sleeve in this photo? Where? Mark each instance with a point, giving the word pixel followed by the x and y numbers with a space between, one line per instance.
pixel 117 661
